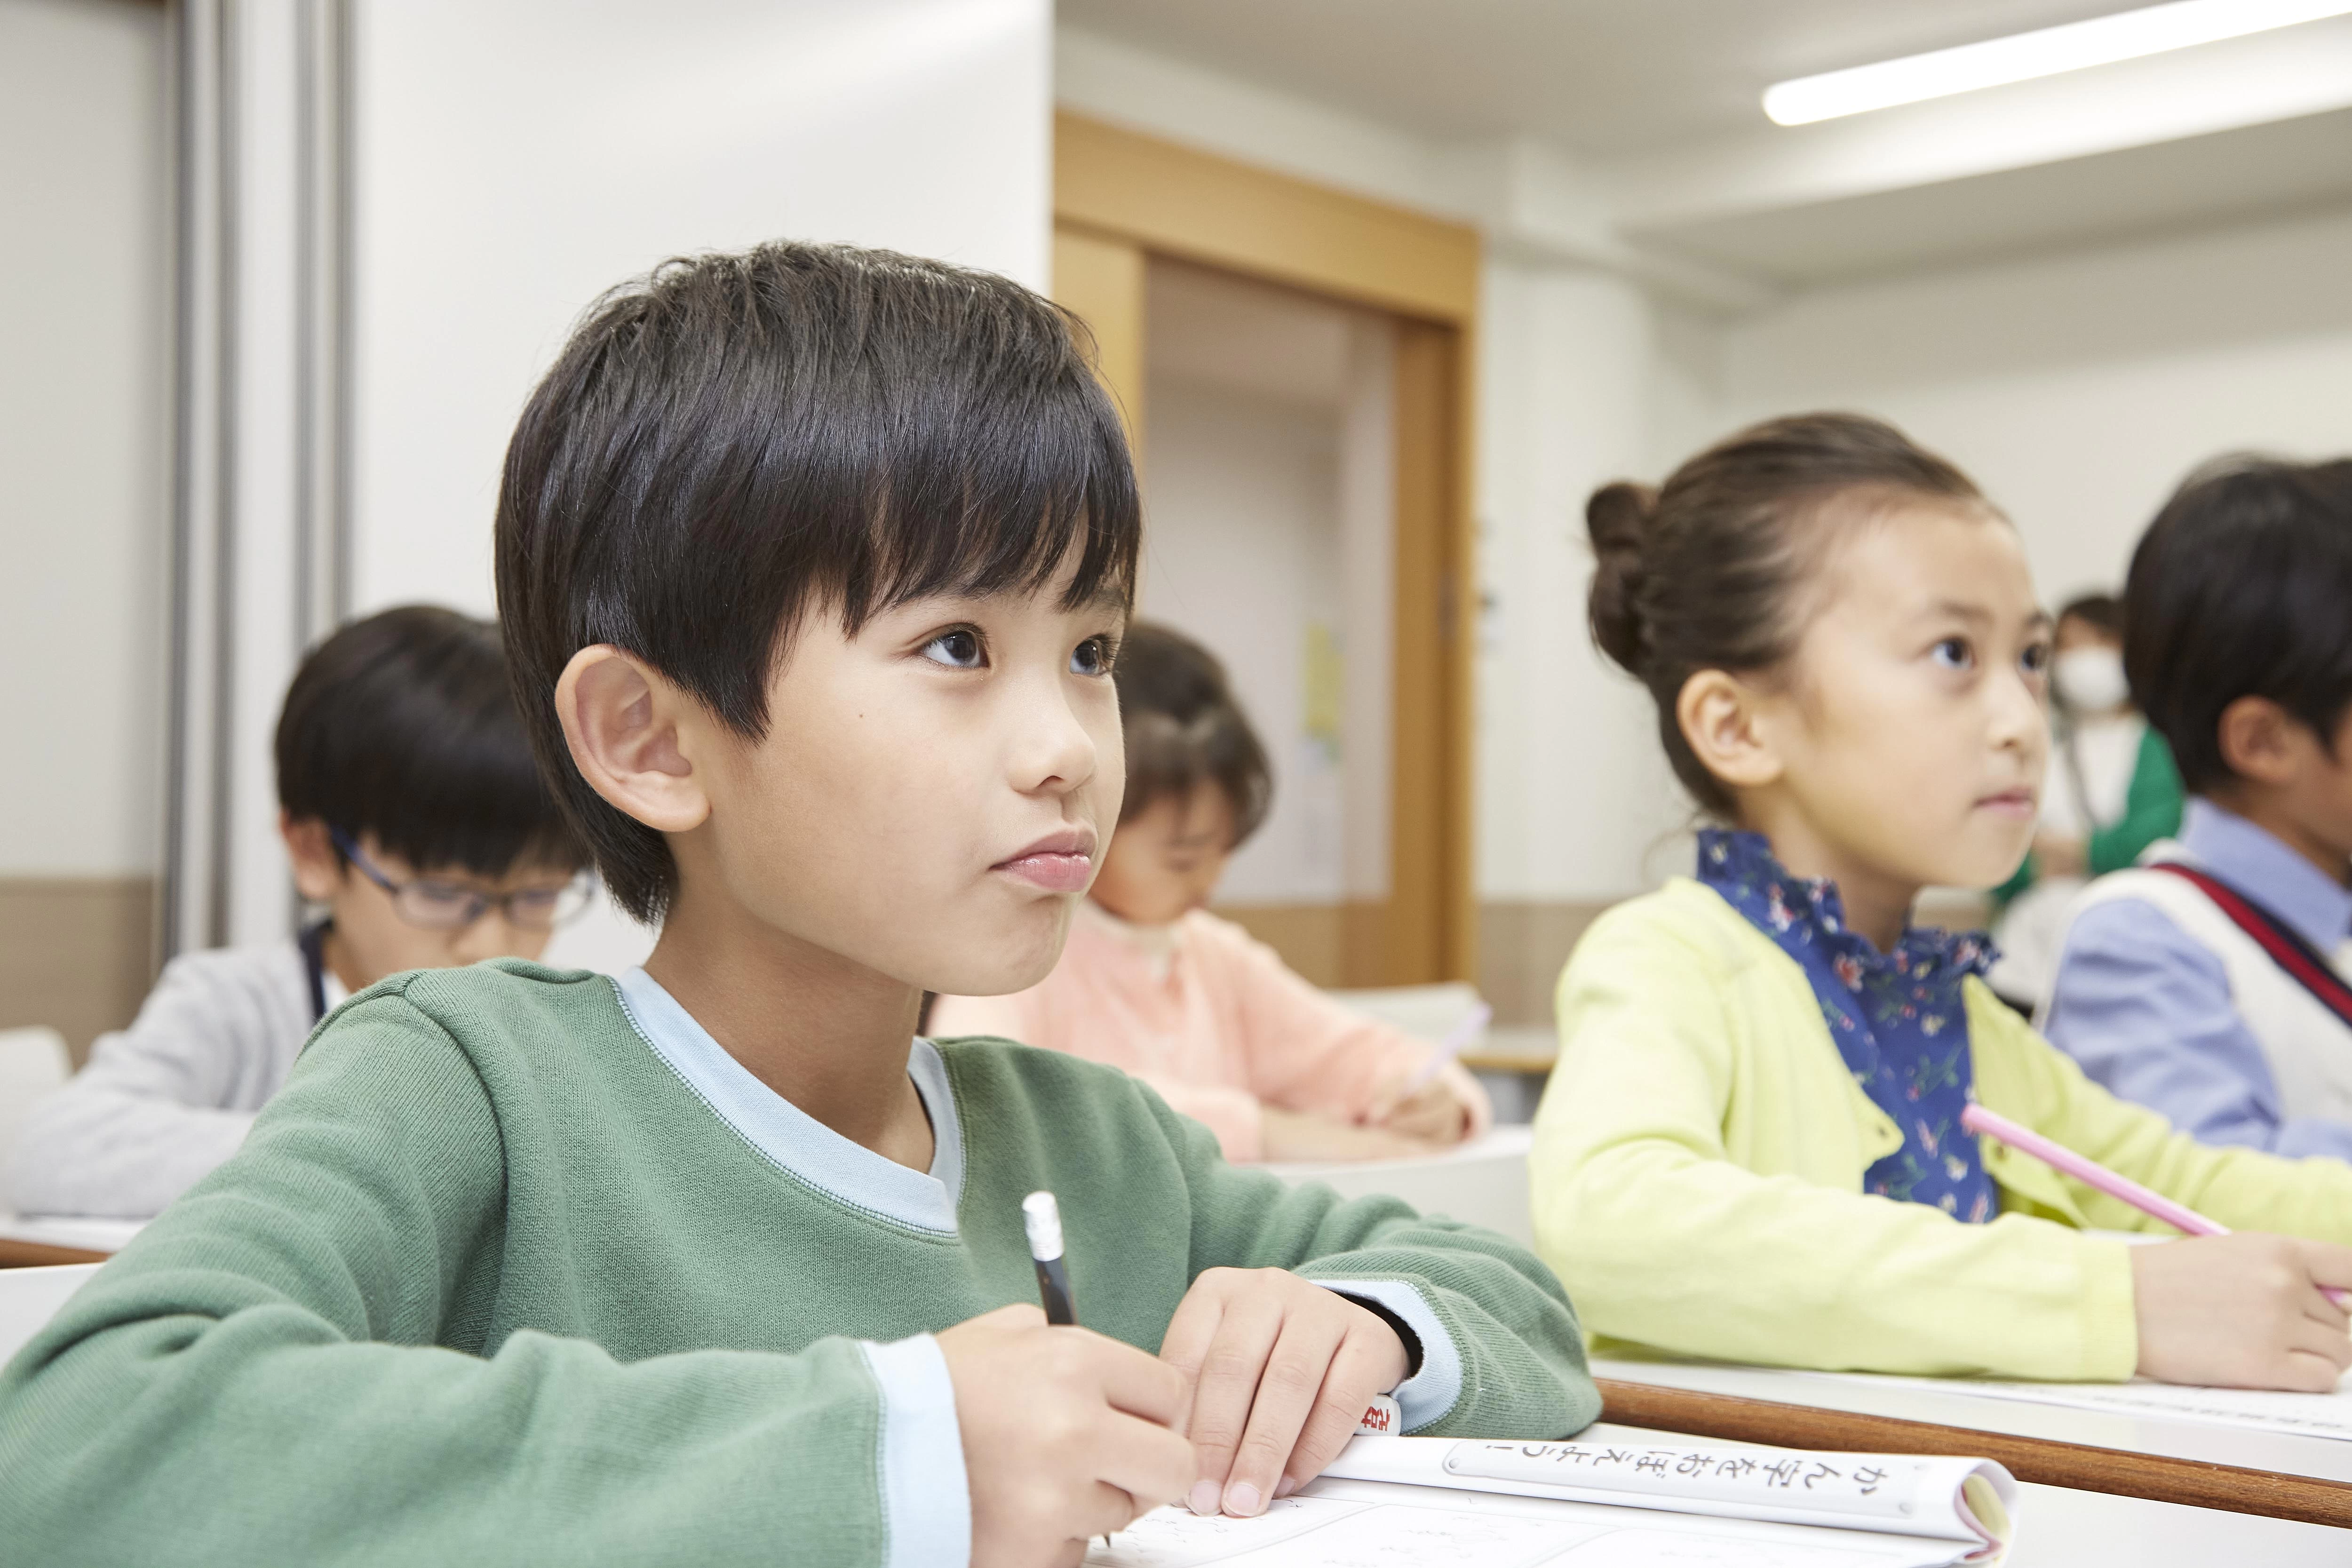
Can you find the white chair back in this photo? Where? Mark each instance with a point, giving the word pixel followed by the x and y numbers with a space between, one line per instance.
pixel 1426 1012
pixel 31 1297
pixel 32 1063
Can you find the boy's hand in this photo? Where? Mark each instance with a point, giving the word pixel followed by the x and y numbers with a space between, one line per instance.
pixel 2242 1311
pixel 1066 1435
pixel 1281 1371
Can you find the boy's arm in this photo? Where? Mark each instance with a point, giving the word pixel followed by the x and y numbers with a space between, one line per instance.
pixel 1498 1350
pixel 152 1111
pixel 2244 1189
pixel 2147 1012
pixel 1672 1244
pixel 2152 804
pixel 271 1340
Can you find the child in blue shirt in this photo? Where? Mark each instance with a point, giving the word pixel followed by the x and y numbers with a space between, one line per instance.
pixel 2211 983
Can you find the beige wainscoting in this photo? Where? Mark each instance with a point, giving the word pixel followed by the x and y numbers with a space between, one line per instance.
pixel 1521 946
pixel 1331 944
pixel 76 953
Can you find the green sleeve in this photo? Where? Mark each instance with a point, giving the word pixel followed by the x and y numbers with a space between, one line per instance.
pixel 1513 1356
pixel 2151 809
pixel 267 1373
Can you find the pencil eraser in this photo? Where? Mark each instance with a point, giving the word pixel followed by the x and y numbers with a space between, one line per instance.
pixel 1043 1218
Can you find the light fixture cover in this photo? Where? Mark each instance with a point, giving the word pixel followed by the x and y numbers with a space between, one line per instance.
pixel 2020 57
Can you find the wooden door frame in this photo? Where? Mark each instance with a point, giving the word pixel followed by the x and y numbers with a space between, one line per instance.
pixel 1121 197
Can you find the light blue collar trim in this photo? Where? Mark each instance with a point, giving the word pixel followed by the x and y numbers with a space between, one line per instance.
pixel 798 1142
pixel 2259 866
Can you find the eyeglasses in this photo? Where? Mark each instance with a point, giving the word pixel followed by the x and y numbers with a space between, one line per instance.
pixel 450 906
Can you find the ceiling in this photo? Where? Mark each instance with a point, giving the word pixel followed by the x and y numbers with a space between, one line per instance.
pixel 1604 77
pixel 1664 160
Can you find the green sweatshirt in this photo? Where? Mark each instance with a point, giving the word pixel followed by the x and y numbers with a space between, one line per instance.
pixel 522 1267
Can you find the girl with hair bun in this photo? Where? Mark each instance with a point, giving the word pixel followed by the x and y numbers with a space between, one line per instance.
pixel 1750 1149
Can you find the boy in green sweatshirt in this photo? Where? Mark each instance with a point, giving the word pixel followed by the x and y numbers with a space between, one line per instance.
pixel 813 564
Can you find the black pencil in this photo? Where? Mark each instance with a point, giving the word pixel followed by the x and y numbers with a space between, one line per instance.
pixel 1041 1217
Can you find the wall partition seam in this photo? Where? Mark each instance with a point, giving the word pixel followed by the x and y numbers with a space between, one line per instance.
pixel 261 480
pixel 193 824
pixel 229 188
pixel 180 47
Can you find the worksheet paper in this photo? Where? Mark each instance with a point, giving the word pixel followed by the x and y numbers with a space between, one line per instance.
pixel 2301 1414
pixel 1472 1504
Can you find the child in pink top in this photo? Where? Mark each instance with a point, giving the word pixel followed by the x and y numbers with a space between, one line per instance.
pixel 1193 1005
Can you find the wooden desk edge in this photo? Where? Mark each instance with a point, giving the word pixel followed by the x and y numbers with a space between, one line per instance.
pixel 2157 1477
pixel 40 1254
pixel 1509 1061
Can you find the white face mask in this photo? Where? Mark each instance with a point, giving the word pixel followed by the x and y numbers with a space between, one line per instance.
pixel 2090 681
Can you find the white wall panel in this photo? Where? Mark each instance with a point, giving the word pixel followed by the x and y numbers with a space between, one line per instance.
pixel 84 287
pixel 517 157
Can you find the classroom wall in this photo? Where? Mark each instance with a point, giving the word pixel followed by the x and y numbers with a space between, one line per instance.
pixel 517 157
pixel 2079 388
pixel 83 381
pixel 2076 387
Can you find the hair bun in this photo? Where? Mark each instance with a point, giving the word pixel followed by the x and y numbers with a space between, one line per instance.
pixel 1617 517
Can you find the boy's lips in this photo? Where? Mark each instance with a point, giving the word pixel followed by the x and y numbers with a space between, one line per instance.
pixel 1058 863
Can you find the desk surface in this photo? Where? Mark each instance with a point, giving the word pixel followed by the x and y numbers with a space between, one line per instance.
pixel 1484 1182
pixel 2285 1453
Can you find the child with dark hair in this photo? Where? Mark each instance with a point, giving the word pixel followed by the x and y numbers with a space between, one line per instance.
pixel 1193 1004
pixel 2113 792
pixel 1751 1148
pixel 814 564
pixel 2214 983
pixel 414 818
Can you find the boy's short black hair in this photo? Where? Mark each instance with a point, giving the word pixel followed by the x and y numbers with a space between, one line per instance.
pixel 2242 587
pixel 403 726
pixel 1184 728
pixel 732 439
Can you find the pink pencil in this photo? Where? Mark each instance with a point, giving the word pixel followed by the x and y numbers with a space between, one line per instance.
pixel 2091 1173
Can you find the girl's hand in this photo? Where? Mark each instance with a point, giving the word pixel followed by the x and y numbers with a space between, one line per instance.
pixel 1295 1135
pixel 1281 1371
pixel 1434 1111
pixel 2242 1311
pixel 1066 1435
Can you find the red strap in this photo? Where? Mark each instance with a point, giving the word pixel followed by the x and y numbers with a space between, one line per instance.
pixel 2288 950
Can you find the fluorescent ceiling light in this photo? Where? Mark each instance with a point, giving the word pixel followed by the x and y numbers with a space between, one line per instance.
pixel 2102 40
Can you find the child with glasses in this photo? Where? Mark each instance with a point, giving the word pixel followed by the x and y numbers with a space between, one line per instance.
pixel 416 824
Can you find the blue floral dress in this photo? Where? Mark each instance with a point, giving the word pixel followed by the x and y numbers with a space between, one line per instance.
pixel 1897 1017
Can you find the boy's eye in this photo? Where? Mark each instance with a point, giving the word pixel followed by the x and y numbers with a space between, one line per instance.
pixel 960 649
pixel 1091 657
pixel 1953 653
pixel 2035 659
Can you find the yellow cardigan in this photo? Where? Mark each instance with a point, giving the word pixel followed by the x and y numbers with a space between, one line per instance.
pixel 1699 1154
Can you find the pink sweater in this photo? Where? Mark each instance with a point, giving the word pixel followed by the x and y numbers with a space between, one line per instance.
pixel 1208 1015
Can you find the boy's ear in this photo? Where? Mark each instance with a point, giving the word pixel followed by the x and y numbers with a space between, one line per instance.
pixel 1720 716
pixel 632 734
pixel 2262 742
pixel 318 870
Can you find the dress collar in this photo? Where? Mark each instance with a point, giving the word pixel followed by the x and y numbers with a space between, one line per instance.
pixel 1742 868
pixel 2258 865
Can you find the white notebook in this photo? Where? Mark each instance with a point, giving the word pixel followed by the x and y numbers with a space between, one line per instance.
pixel 2260 1410
pixel 1468 1503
